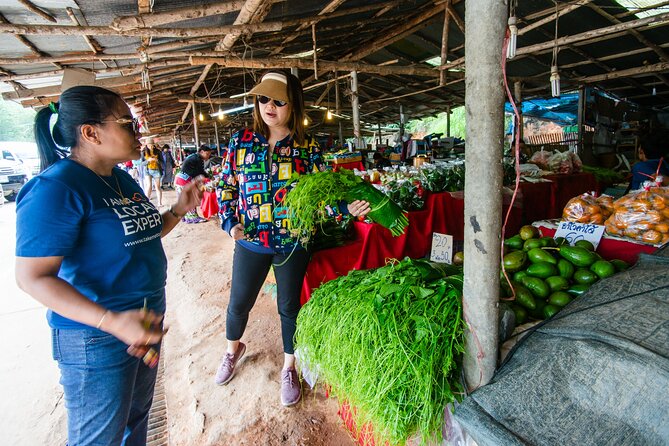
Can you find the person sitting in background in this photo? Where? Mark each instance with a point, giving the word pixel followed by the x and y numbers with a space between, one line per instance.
pixel 652 150
pixel 168 167
pixel 381 161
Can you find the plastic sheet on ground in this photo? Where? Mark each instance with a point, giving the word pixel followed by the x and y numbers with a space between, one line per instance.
pixel 596 374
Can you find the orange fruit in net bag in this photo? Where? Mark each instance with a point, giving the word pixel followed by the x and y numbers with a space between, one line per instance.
pixel 640 205
pixel 665 238
pixel 662 227
pixel 665 213
pixel 597 219
pixel 643 225
pixel 654 217
pixel 658 202
pixel 652 236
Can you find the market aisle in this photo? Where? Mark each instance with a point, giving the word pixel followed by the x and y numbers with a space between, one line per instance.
pixel 247 411
pixel 30 397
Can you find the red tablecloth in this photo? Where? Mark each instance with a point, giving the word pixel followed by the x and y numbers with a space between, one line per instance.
pixel 537 199
pixel 373 244
pixel 209 204
pixel 542 201
pixel 350 166
pixel 610 248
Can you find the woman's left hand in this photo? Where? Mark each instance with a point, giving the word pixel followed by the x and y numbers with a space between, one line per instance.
pixel 359 208
pixel 191 195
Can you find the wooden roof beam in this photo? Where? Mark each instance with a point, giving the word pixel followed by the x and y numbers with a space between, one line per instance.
pixel 563 11
pixel 37 10
pixel 588 35
pixel 637 71
pixel 644 9
pixel 395 33
pixel 267 63
pixel 637 35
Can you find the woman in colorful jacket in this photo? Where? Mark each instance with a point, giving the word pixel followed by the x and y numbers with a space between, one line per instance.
pixel 259 163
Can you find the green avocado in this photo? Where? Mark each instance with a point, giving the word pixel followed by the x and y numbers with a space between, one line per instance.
pixel 536 255
pixel 514 242
pixel 542 270
pixel 585 276
pixel 515 261
pixel 559 299
pixel 603 269
pixel 557 283
pixel 620 265
pixel 585 244
pixel 532 243
pixel 537 286
pixel 578 289
pixel 566 268
pixel 550 311
pixel 525 298
pixel 580 257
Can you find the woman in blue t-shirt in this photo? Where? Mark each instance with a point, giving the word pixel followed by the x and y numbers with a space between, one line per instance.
pixel 258 164
pixel 88 248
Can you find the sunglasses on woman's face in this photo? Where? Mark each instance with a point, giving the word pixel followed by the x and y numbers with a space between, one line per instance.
pixel 130 124
pixel 265 100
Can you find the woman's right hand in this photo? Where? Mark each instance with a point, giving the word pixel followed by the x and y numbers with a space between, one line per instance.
pixel 131 327
pixel 237 232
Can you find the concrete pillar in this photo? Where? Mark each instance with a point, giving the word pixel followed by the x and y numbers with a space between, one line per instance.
pixel 485 25
pixel 356 110
pixel 195 125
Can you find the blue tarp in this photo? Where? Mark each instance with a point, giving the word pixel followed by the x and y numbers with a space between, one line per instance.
pixel 562 110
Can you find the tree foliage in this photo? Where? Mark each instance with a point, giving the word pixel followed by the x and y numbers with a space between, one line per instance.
pixel 16 123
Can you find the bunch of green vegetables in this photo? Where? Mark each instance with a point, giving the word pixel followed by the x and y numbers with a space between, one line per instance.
pixel 448 178
pixel 310 195
pixel 408 194
pixel 389 341
pixel 604 175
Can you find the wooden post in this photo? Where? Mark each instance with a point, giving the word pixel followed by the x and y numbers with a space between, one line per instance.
pixel 448 121
pixel 338 108
pixel 218 145
pixel 485 22
pixel 580 116
pixel 355 103
pixel 444 41
pixel 313 40
pixel 195 125
pixel 517 94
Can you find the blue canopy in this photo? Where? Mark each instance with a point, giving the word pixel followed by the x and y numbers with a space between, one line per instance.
pixel 562 110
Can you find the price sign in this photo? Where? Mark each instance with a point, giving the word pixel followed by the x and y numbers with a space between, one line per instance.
pixel 573 232
pixel 442 248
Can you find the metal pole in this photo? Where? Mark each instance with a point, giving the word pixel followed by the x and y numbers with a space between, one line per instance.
pixel 581 111
pixel 195 126
pixel 356 110
pixel 485 25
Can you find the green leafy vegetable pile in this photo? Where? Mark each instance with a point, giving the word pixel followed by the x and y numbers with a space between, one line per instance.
pixel 388 341
pixel 308 199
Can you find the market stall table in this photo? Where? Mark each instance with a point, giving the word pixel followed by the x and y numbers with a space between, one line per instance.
pixel 609 247
pixel 350 166
pixel 373 244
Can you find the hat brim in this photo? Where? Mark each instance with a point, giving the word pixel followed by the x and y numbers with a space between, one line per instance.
pixel 271 88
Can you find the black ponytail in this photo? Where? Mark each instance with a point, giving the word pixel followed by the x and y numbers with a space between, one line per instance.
pixel 78 106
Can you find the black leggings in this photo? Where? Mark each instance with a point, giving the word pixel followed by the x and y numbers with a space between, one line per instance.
pixel 249 270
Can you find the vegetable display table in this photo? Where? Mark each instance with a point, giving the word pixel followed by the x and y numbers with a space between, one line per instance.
pixel 609 247
pixel 373 244
pixel 350 166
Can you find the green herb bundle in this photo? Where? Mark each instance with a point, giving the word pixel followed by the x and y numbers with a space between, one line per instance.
pixel 308 199
pixel 389 341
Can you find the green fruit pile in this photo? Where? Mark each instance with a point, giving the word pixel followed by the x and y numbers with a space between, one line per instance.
pixel 548 273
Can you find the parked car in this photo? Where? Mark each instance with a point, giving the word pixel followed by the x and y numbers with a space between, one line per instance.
pixel 12 174
pixel 27 152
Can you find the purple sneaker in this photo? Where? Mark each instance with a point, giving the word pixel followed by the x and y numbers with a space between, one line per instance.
pixel 226 370
pixel 291 387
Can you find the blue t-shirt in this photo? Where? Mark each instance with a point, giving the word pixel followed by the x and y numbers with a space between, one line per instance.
pixel 649 167
pixel 111 247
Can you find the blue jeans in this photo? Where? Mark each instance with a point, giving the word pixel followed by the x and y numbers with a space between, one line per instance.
pixel 108 393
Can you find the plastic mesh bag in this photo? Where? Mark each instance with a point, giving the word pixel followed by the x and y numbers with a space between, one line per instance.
pixel 588 209
pixel 642 216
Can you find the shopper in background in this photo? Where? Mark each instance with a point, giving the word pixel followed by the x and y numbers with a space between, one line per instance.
pixel 88 247
pixel 192 167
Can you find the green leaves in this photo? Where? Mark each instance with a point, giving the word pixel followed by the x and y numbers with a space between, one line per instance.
pixel 388 341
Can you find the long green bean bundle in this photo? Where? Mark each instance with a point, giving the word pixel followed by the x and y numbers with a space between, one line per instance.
pixel 307 201
pixel 389 342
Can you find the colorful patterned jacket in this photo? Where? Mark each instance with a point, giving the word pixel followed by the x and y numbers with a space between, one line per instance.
pixel 252 189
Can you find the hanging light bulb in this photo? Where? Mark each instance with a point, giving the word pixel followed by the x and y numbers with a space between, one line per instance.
pixel 513 38
pixel 328 115
pixel 555 81
pixel 200 117
pixel 305 121
pixel 654 90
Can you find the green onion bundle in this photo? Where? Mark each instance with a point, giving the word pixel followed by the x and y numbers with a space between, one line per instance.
pixel 388 341
pixel 310 195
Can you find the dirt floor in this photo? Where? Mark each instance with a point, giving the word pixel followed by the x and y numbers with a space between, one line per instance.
pixel 247 411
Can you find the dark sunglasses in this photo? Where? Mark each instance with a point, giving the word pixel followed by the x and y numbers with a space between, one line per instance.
pixel 265 100
pixel 130 124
